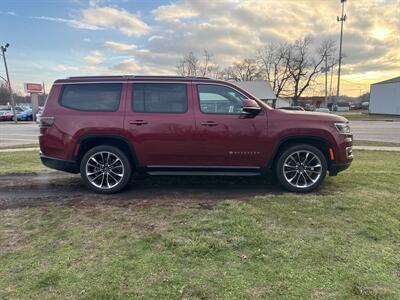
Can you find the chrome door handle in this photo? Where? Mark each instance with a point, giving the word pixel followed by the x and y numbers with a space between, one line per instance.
pixel 209 123
pixel 138 122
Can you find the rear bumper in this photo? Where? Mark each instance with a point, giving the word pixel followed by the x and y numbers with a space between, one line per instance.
pixel 69 166
pixel 334 169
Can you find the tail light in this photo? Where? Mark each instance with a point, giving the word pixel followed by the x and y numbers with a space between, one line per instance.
pixel 46 122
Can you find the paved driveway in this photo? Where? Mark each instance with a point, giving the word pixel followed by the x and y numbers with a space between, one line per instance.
pixel 27 133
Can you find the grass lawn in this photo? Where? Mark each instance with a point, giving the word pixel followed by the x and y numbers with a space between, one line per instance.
pixel 368 117
pixel 342 242
pixel 20 162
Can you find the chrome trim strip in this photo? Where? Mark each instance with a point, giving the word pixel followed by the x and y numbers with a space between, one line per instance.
pixel 124 81
pixel 202 173
pixel 204 167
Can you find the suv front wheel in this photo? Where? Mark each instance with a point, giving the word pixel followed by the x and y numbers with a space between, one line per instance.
pixel 301 168
pixel 105 169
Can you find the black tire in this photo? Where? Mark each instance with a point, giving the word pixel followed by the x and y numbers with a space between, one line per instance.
pixel 108 182
pixel 306 177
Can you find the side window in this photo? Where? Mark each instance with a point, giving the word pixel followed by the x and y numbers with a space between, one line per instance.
pixel 91 96
pixel 159 97
pixel 219 99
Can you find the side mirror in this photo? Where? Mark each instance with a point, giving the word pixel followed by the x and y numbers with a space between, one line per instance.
pixel 251 106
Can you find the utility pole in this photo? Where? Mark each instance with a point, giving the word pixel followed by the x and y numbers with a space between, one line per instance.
pixel 326 79
pixel 3 52
pixel 342 19
pixel 330 86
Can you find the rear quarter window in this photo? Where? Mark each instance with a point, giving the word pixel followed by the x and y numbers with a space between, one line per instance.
pixel 91 96
pixel 160 97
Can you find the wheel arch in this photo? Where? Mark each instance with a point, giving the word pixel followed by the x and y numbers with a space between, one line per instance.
pixel 320 143
pixel 87 142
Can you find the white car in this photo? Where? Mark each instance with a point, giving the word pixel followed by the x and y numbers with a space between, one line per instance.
pixel 323 110
pixel 39 115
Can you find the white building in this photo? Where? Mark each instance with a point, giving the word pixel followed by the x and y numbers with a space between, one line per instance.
pixel 385 97
pixel 262 90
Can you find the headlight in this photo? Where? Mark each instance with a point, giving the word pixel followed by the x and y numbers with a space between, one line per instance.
pixel 343 128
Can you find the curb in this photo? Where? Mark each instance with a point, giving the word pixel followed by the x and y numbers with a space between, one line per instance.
pixel 377 148
pixel 19 149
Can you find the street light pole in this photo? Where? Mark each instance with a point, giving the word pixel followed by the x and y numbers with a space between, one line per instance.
pixel 342 19
pixel 3 52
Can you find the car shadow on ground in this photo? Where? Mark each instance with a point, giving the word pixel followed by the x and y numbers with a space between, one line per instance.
pixel 42 189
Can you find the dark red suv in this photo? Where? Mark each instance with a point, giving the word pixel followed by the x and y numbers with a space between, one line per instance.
pixel 108 128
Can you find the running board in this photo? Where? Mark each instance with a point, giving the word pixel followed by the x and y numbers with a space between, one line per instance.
pixel 202 171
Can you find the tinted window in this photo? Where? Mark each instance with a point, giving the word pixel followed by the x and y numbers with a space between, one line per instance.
pixel 159 97
pixel 92 96
pixel 219 99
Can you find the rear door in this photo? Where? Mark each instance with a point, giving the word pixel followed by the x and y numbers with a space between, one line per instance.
pixel 228 136
pixel 160 122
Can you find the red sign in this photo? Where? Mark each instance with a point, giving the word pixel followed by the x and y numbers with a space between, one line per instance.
pixel 33 88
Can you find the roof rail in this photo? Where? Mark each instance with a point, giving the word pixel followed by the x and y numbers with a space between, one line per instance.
pixel 99 76
pixel 136 76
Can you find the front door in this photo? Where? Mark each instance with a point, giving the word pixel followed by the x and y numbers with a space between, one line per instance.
pixel 160 122
pixel 226 135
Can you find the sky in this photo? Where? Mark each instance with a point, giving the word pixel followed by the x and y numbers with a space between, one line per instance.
pixel 52 39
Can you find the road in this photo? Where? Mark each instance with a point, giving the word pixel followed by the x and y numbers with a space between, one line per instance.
pixel 18 134
pixel 381 131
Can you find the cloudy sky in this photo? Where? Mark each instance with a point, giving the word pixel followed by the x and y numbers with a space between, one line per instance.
pixel 60 38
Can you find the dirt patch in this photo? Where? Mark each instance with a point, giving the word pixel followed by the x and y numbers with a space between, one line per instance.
pixel 42 189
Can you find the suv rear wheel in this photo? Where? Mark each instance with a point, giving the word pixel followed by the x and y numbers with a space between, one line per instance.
pixel 301 168
pixel 105 169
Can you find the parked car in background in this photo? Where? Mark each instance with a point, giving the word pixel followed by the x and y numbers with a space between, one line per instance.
pixel 309 107
pixel 39 115
pixel 6 115
pixel 293 108
pixel 108 128
pixel 323 110
pixel 341 107
pixel 24 114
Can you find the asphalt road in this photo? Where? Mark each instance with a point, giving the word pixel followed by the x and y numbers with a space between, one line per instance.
pixel 27 133
pixel 18 134
pixel 380 131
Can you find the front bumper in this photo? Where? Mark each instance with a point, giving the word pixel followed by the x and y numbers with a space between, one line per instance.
pixel 334 169
pixel 69 166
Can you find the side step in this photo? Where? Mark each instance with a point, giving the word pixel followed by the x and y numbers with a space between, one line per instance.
pixel 202 171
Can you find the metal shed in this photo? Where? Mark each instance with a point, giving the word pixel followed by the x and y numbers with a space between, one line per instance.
pixel 260 88
pixel 385 97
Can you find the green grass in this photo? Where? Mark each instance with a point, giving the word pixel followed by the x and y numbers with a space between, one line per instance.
pixel 367 117
pixel 374 143
pixel 20 162
pixel 339 243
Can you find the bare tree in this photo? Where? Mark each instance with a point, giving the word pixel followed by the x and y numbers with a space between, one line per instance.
pixel 244 70
pixel 191 65
pixel 274 66
pixel 4 93
pixel 304 64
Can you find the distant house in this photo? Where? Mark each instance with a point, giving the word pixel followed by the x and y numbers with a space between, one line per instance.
pixel 261 89
pixel 385 97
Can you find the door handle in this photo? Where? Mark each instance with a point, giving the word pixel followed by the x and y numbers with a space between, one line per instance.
pixel 138 122
pixel 209 123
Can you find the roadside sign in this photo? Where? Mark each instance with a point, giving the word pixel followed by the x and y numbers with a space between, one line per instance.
pixel 33 88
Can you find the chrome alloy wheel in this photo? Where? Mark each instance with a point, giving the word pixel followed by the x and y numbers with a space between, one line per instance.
pixel 104 170
pixel 302 169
